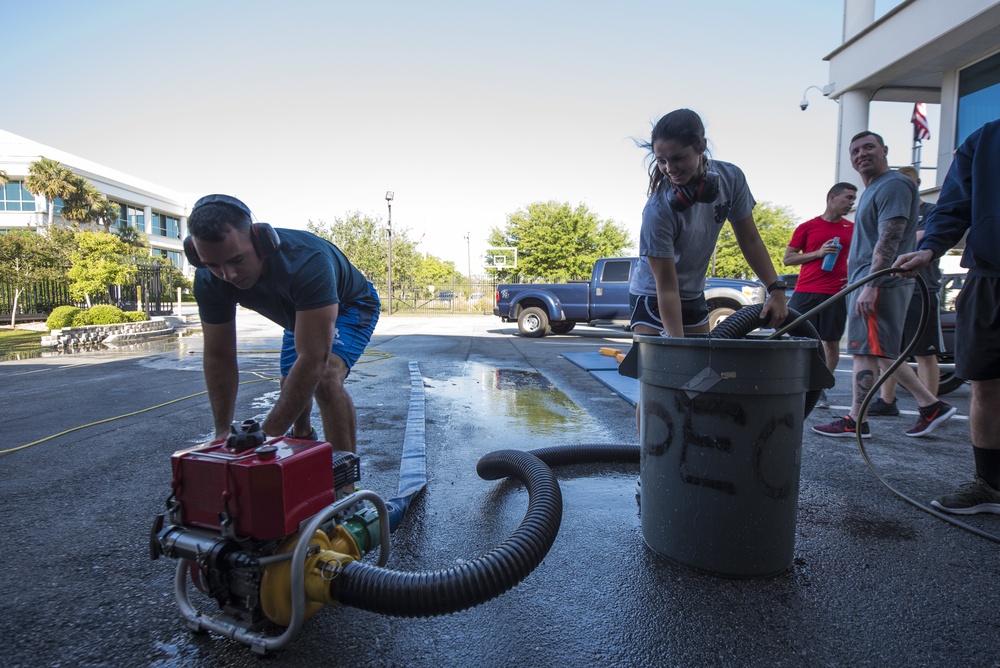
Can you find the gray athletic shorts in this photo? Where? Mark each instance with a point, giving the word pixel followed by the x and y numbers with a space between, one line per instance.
pixel 880 333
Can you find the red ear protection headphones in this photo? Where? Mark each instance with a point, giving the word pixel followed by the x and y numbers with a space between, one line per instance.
pixel 684 197
pixel 264 237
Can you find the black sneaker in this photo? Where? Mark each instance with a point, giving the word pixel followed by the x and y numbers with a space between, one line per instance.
pixel 971 498
pixel 880 407
pixel 844 427
pixel 931 418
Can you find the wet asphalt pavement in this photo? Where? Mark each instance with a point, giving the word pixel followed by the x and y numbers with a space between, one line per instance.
pixel 874 581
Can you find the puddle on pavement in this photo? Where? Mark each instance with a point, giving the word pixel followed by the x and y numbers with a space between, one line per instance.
pixel 502 400
pixel 92 350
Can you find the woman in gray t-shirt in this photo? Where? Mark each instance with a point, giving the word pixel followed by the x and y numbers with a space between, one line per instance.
pixel 690 199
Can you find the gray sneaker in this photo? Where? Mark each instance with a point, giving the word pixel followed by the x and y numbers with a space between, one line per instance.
pixel 971 498
pixel 880 407
pixel 823 401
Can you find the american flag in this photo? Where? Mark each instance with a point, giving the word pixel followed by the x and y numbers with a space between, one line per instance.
pixel 921 130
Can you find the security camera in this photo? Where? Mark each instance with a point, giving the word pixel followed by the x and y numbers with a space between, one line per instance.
pixel 804 104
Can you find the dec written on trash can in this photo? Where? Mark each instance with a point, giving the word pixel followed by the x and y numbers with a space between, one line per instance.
pixel 721 450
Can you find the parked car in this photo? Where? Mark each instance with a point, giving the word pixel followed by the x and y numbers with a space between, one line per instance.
pixel 950 288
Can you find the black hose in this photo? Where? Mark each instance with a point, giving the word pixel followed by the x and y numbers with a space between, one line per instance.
pixel 747 319
pixel 562 455
pixel 452 589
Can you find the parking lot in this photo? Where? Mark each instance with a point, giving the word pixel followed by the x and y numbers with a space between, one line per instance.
pixel 874 580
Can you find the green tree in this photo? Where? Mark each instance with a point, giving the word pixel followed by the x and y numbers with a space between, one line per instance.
pixel 99 260
pixel 25 258
pixel 364 241
pixel 3 177
pixel 50 179
pixel 86 205
pixel 434 271
pixel 557 241
pixel 132 237
pixel 105 212
pixel 775 224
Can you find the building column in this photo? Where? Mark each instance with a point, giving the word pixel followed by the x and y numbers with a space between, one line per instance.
pixel 147 220
pixel 853 119
pixel 858 15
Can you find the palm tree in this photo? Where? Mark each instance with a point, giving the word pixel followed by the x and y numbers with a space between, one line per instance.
pixel 50 179
pixel 78 206
pixel 105 212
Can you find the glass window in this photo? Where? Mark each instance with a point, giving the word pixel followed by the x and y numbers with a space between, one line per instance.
pixel 122 220
pixel 136 218
pixel 166 226
pixel 616 272
pixel 15 197
pixel 978 96
pixel 173 256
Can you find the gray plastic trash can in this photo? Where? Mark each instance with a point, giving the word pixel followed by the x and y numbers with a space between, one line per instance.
pixel 721 436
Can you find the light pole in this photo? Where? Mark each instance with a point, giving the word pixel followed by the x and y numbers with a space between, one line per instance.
pixel 468 260
pixel 388 201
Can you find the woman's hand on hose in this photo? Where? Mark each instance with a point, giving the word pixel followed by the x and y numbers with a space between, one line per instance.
pixel 775 309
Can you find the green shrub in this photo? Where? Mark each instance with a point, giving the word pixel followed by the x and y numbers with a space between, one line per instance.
pixel 81 319
pixel 105 314
pixel 61 316
pixel 135 316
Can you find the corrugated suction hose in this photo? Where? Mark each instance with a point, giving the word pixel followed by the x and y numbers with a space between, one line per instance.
pixel 440 592
pixel 747 319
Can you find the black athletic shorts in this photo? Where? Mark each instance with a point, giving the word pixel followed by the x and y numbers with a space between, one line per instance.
pixel 694 312
pixel 932 342
pixel 830 322
pixel 977 329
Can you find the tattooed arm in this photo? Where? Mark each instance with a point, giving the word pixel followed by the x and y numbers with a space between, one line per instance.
pixel 890 234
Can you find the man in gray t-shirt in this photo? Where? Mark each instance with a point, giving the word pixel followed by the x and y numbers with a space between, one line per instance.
pixel 884 227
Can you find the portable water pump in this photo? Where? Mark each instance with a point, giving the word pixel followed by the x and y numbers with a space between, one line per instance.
pixel 235 519
pixel 241 506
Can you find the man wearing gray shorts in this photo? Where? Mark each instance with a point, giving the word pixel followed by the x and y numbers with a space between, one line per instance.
pixel 885 226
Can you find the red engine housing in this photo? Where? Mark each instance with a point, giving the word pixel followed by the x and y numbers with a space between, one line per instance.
pixel 267 492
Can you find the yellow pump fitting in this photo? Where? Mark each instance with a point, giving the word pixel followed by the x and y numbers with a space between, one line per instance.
pixel 342 541
pixel 335 551
pixel 276 584
pixel 320 569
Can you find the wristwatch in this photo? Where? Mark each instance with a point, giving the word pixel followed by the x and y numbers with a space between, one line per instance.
pixel 777 285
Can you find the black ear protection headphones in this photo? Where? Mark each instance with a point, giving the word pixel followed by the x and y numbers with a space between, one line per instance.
pixel 264 237
pixel 682 198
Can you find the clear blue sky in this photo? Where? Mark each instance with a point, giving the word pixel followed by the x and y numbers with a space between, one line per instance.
pixel 310 110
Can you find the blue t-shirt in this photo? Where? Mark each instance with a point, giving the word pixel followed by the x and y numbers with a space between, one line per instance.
pixel 689 237
pixel 308 272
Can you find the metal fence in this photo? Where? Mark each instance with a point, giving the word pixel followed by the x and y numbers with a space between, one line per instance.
pixel 149 290
pixel 462 295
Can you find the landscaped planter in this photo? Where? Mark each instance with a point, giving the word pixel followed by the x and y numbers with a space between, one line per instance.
pixel 125 332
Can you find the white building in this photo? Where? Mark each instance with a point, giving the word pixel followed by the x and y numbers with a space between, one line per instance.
pixel 943 52
pixel 160 214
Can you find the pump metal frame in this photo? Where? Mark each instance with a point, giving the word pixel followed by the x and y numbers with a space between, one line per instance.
pixel 259 643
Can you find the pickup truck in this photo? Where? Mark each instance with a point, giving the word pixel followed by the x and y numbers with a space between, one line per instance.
pixel 559 307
